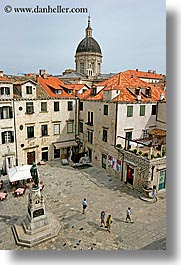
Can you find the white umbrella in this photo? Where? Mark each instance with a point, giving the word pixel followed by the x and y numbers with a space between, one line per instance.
pixel 19 173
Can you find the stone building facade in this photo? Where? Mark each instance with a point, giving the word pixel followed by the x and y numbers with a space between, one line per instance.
pixel 111 115
pixel 135 125
pixel 161 115
pixel 7 136
pixel 35 124
pixel 46 132
pixel 42 119
pixel 96 128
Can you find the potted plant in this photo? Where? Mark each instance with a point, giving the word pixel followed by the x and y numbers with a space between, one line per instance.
pixel 152 156
pixel 163 153
pixel 135 151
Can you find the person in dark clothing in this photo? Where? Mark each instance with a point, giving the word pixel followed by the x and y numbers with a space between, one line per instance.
pixel 84 205
pixel 103 218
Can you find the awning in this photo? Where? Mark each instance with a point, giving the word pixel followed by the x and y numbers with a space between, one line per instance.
pixel 64 144
pixel 19 173
pixel 157 132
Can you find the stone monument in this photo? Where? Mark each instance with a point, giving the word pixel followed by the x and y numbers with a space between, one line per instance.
pixel 38 225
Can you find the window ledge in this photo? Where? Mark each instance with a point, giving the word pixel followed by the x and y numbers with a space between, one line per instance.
pixel 6 118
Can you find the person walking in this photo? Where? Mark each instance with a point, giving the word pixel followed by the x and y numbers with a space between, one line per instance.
pixel 108 223
pixel 84 205
pixel 103 218
pixel 154 192
pixel 128 215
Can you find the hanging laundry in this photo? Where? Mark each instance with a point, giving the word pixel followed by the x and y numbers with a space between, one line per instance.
pixel 118 165
pixel 110 160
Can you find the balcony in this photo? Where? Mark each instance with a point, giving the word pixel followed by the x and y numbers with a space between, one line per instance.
pixel 152 147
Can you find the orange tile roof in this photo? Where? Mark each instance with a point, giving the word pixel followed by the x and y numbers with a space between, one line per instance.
pixel 124 82
pixel 54 83
pixel 142 74
pixel 76 87
pixel 85 95
pixel 3 78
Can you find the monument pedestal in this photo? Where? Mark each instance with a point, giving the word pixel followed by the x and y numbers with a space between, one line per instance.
pixel 38 225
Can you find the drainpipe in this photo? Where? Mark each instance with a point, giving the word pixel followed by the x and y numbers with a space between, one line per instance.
pixel 115 130
pixel 15 136
pixel 122 168
pixel 77 121
pixel 76 116
pixel 115 137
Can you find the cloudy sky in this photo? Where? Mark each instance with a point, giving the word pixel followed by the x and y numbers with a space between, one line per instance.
pixel 131 33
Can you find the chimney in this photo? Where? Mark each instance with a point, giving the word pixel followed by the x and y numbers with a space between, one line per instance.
pixel 138 97
pixel 42 72
pixel 36 78
pixel 1 73
pixel 161 96
pixel 136 69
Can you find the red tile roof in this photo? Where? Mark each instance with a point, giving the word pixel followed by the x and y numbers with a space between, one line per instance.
pixel 54 83
pixel 126 84
pixel 141 74
pixel 76 87
pixel 86 94
pixel 3 78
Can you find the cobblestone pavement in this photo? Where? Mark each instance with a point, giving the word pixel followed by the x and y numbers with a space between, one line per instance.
pixel 64 190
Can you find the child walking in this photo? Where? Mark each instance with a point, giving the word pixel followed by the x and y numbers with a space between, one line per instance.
pixel 108 223
pixel 128 216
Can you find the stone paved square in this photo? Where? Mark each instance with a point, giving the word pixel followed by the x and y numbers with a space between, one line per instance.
pixel 64 190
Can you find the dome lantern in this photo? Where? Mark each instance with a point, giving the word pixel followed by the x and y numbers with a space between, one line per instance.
pixel 88 29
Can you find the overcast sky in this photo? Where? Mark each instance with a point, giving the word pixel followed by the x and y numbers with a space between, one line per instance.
pixel 131 33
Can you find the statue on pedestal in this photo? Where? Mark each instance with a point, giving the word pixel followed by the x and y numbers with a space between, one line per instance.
pixel 34 174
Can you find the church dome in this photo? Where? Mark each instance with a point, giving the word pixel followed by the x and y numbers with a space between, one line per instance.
pixel 88 57
pixel 88 44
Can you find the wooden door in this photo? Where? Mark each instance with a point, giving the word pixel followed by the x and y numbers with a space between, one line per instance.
pixel 30 157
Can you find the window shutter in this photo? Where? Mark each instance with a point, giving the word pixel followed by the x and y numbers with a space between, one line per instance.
pixel 3 137
pixel 1 113
pixel 7 90
pixel 10 112
pixel 91 117
pixel 129 111
pixel 12 137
